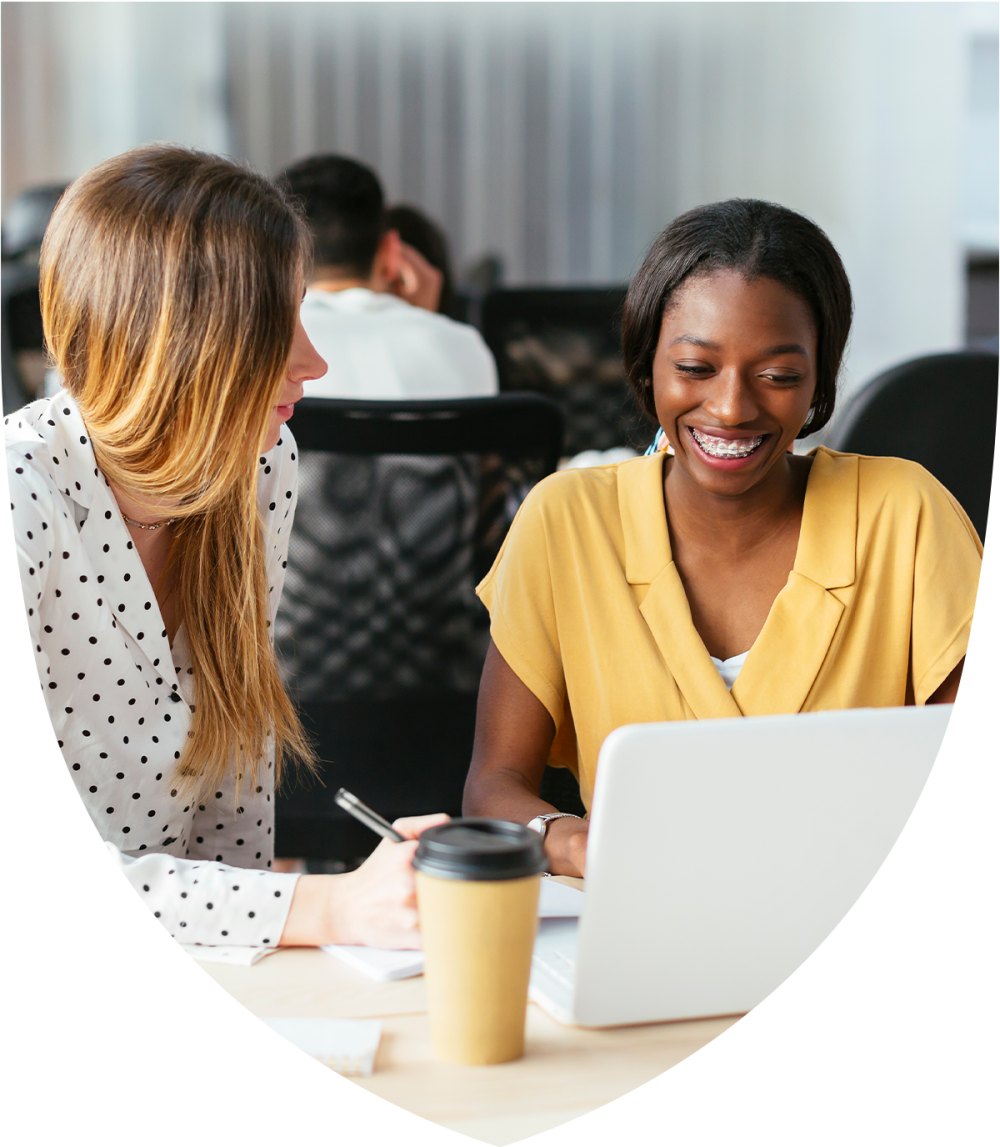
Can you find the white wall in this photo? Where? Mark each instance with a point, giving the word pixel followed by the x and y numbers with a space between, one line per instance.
pixel 577 131
pixel 563 136
pixel 84 81
pixel 982 156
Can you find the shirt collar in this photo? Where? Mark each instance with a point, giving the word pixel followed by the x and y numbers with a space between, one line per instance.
pixel 828 538
pixel 73 466
pixel 353 300
pixel 827 546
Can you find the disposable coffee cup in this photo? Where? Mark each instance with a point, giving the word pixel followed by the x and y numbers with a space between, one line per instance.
pixel 477 894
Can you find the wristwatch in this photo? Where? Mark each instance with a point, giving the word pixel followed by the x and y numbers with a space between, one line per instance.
pixel 541 823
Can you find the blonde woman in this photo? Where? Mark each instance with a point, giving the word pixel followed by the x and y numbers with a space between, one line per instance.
pixel 152 501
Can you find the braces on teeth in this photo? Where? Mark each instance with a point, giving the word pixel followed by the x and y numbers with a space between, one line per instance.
pixel 726 448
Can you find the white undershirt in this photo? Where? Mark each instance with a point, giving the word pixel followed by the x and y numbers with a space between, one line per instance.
pixel 729 669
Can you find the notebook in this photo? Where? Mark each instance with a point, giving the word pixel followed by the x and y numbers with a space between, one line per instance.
pixel 723 852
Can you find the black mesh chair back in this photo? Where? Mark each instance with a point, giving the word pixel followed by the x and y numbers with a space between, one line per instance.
pixel 566 343
pixel 940 411
pixel 21 325
pixel 402 508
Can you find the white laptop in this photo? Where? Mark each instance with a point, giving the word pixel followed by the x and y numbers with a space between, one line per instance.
pixel 722 853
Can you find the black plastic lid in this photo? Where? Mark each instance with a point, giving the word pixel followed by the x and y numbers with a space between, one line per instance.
pixel 478 848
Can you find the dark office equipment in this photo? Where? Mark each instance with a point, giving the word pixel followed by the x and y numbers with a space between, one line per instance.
pixel 940 411
pixel 402 508
pixel 25 220
pixel 566 343
pixel 982 293
pixel 24 363
pixel 21 327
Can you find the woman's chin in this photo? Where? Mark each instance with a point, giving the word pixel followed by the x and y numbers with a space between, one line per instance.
pixel 272 435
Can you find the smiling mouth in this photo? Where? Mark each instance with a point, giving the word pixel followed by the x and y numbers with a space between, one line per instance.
pixel 726 447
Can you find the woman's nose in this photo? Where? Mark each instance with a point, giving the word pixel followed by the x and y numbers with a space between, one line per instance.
pixel 731 400
pixel 305 361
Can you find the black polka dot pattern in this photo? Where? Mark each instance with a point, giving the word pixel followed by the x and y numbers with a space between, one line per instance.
pixel 113 686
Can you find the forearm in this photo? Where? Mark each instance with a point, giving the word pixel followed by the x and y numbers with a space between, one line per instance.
pixel 311 920
pixel 514 734
pixel 503 793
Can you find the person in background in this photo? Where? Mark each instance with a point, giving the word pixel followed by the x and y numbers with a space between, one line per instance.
pixel 425 277
pixel 376 345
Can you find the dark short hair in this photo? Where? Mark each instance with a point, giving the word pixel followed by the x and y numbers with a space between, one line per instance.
pixel 344 204
pixel 759 240
pixel 425 236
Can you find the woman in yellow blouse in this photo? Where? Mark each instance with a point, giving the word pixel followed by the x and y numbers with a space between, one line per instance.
pixel 639 591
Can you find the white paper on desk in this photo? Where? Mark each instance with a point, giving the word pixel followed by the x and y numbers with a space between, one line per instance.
pixel 379 963
pixel 347 1046
pixel 227 954
pixel 556 899
pixel 387 964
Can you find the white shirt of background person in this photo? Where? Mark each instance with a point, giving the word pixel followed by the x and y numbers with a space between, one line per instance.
pixel 378 346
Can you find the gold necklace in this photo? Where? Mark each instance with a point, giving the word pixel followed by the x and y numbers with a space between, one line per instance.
pixel 144 526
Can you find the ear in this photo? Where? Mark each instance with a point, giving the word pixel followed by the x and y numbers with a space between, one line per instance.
pixel 388 261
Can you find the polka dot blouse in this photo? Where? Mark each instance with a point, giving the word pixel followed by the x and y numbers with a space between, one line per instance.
pixel 119 695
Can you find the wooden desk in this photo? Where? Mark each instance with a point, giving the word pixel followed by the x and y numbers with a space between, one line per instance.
pixel 565 1071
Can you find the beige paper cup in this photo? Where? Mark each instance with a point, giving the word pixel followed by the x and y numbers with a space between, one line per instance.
pixel 477 893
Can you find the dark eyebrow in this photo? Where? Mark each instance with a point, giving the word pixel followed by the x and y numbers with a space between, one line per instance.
pixel 695 342
pixel 788 348
pixel 784 348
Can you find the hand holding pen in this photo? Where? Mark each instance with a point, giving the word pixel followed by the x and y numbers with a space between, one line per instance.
pixel 367 816
pixel 375 905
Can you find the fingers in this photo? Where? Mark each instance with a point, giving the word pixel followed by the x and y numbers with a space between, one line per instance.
pixel 412 258
pixel 393 854
pixel 408 282
pixel 419 283
pixel 412 826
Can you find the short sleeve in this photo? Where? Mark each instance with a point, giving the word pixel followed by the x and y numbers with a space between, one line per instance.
pixel 523 620
pixel 947 561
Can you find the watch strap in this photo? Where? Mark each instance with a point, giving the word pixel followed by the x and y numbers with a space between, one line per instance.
pixel 540 823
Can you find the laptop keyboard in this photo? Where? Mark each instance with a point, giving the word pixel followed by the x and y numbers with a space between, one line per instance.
pixel 555 949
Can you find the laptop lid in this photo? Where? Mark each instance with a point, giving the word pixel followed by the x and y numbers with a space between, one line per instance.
pixel 722 852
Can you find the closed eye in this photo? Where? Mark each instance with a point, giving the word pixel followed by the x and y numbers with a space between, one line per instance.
pixel 696 370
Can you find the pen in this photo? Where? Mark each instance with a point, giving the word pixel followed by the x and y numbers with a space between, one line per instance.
pixel 368 817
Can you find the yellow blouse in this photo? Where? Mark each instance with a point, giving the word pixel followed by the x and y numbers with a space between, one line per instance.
pixel 588 609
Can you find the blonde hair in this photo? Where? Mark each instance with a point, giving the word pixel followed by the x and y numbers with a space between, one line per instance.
pixel 170 285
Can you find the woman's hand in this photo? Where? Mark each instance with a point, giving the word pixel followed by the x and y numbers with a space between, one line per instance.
pixel 376 905
pixel 566 846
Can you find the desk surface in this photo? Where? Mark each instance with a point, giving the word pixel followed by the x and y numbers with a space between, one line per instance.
pixel 565 1071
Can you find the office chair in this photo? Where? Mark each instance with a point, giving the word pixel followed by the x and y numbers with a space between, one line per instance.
pixel 25 220
pixel 402 508
pixel 21 331
pixel 940 411
pixel 566 343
